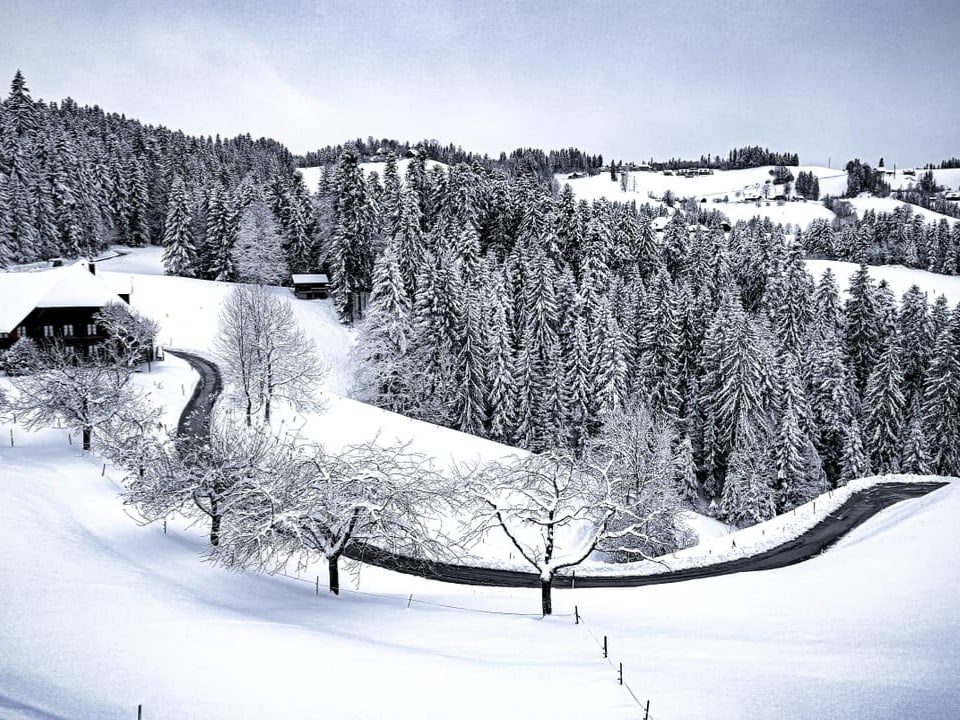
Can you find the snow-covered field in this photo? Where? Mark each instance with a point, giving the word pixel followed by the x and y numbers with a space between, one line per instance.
pixel 899 278
pixel 98 615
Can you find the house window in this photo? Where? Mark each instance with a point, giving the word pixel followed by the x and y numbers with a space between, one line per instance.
pixel 48 330
pixel 22 331
pixel 4 336
pixel 68 330
pixel 91 329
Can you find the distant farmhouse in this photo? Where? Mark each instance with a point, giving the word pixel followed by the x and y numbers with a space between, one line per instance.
pixel 57 304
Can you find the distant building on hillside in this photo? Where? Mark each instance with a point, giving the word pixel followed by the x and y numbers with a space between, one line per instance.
pixel 54 305
pixel 311 286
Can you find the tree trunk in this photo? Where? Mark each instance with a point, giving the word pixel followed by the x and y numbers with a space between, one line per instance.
pixel 87 433
pixel 545 601
pixel 214 524
pixel 334 569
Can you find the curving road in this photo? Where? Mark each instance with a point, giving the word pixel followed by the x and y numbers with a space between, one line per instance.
pixel 862 505
pixel 195 418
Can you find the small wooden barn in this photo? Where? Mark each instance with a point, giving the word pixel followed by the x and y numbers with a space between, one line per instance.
pixel 311 286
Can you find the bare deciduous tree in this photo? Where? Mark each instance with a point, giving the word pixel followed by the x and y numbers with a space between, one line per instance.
pixel 553 508
pixel 198 479
pixel 265 355
pixel 364 494
pixel 557 510
pixel 83 393
pixel 130 335
pixel 645 462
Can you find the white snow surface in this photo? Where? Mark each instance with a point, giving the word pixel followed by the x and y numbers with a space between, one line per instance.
pixel 899 278
pixel 889 204
pixel 98 615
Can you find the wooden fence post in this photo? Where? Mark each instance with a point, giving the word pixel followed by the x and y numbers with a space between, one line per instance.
pixel 605 646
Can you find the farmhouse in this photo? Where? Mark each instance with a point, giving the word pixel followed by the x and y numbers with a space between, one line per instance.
pixel 56 304
pixel 309 287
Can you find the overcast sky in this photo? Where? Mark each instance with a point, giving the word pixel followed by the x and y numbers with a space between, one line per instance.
pixel 631 79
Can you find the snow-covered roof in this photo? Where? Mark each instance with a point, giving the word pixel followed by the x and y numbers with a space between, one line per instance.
pixel 69 286
pixel 301 279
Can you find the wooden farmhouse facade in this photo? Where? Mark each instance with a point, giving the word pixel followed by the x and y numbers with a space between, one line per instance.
pixel 55 305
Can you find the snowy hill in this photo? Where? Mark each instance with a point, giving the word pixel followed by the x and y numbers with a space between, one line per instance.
pixel 105 615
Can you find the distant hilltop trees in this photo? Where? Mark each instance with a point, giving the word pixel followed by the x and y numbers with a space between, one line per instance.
pixel 543 164
pixel 530 161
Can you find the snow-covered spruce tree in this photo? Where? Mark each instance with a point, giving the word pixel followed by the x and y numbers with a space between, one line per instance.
pixel 351 245
pixel 179 255
pixel 791 313
pixel 22 358
pixel 265 355
pixel 318 502
pixel 220 236
pixel 884 411
pixel 799 472
pixel 864 326
pixel 856 462
pixel 941 400
pixel 736 387
pixel 609 363
pixel 383 343
pixel 578 380
pixel 258 251
pixel 832 399
pixel 748 497
pixel 472 411
pixel 915 454
pixel 916 341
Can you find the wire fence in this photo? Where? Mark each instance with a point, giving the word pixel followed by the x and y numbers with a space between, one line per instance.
pixel 644 706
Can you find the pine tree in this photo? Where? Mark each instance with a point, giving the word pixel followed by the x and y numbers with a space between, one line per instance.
pixel 884 411
pixel 915 456
pixel 180 255
pixel 799 473
pixel 941 401
pixel 384 341
pixel 832 401
pixel 472 411
pixel 856 463
pixel 501 390
pixel 258 251
pixel 354 231
pixel 610 363
pixel 864 326
pixel 916 341
pixel 747 497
